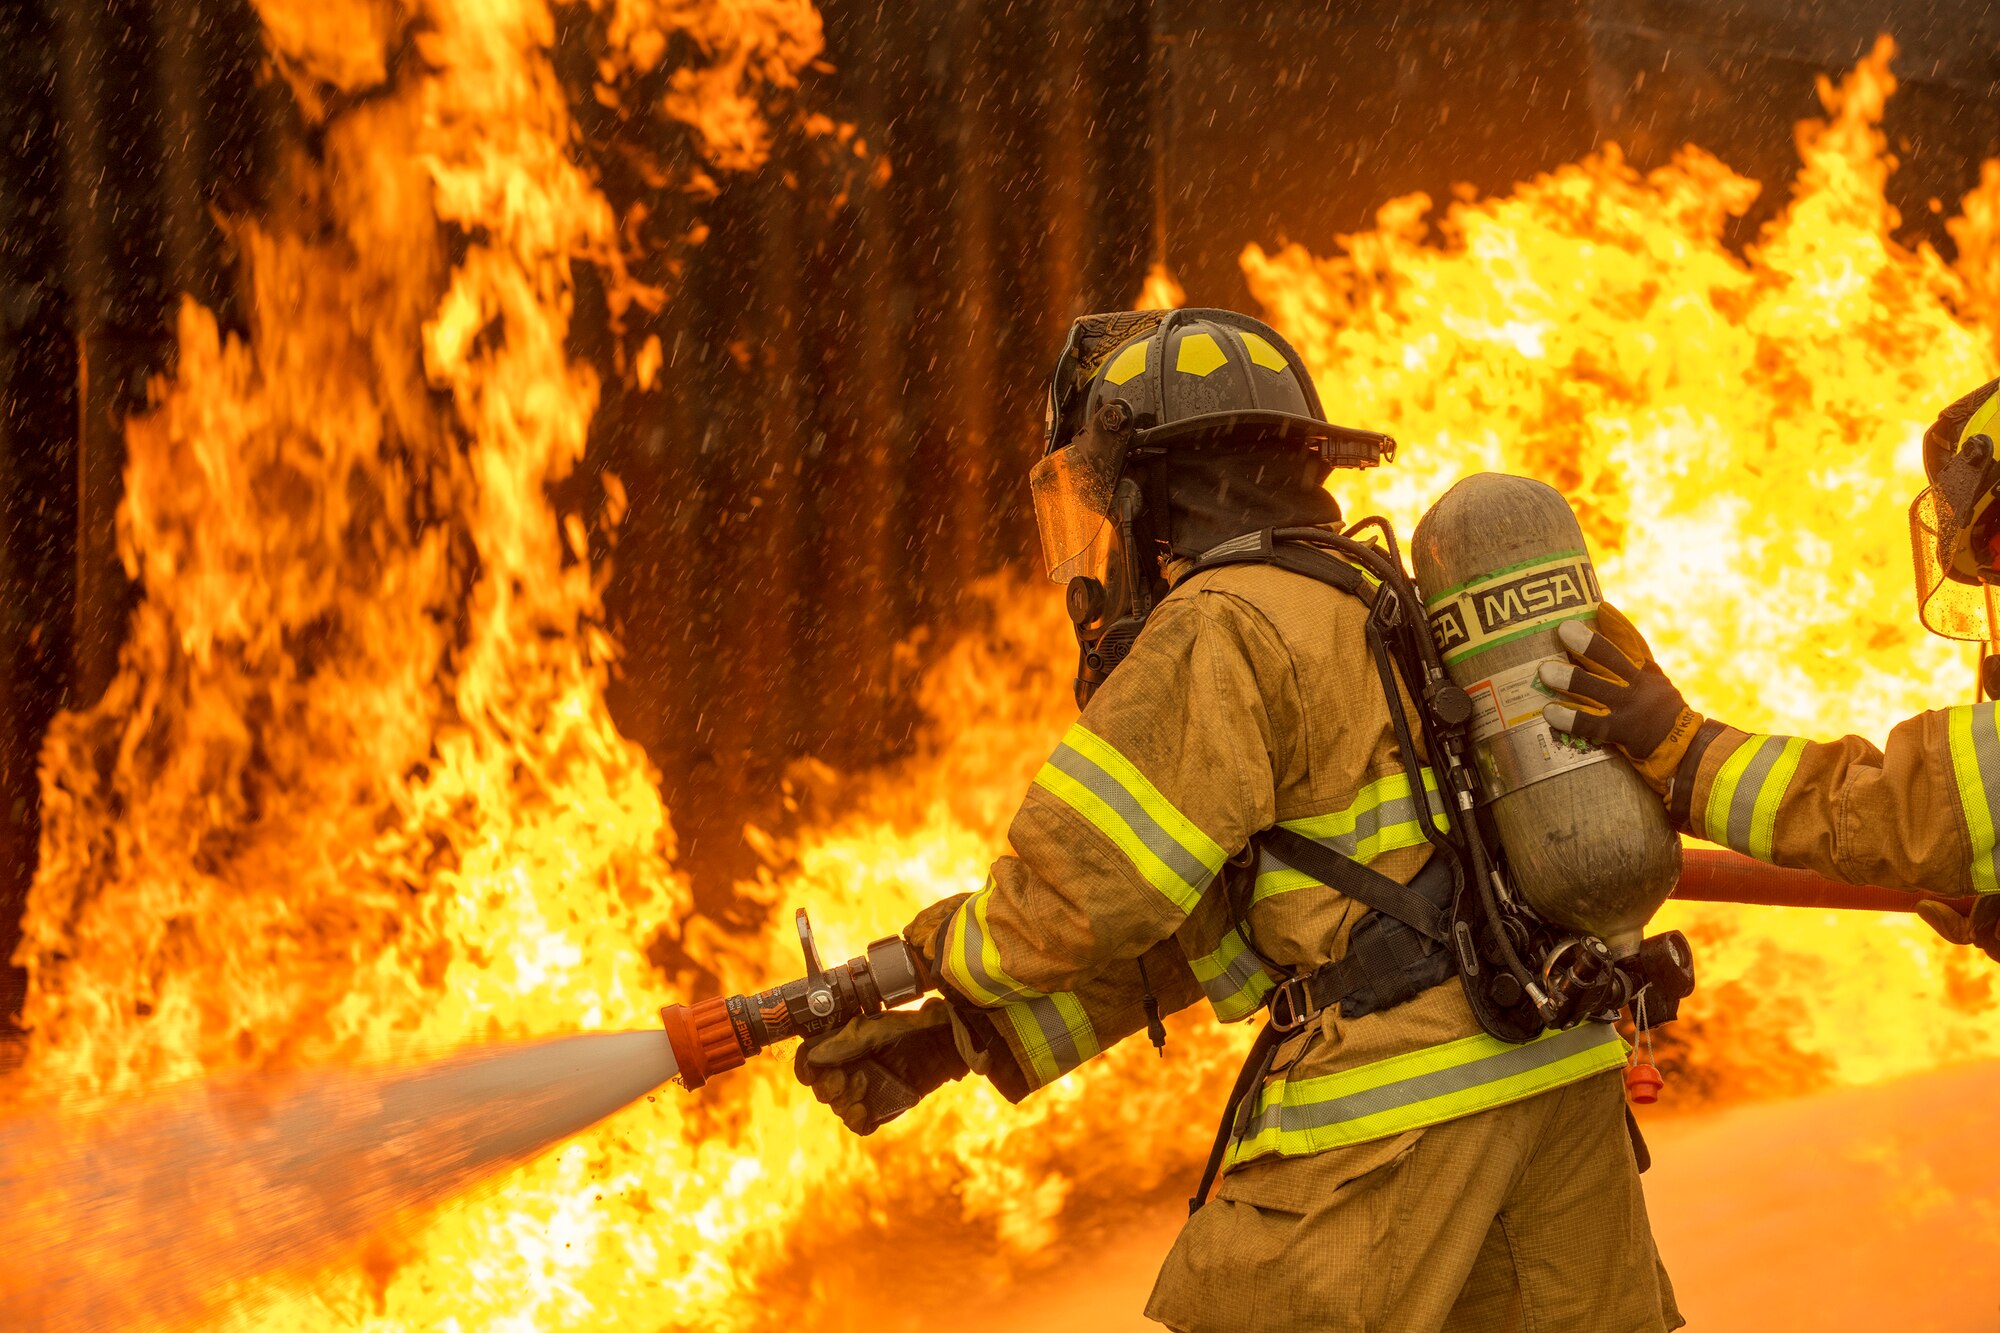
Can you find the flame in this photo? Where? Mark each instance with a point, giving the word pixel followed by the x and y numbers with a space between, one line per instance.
pixel 354 795
pixel 1160 291
pixel 355 792
pixel 1740 436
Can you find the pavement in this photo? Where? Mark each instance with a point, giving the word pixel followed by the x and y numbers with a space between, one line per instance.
pixel 1871 1208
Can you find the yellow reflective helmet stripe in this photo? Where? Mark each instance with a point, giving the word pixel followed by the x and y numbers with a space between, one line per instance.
pixel 971 961
pixel 1233 977
pixel 1199 354
pixel 1981 420
pixel 1055 1034
pixel 1087 774
pixel 1267 356
pixel 1128 363
pixel 1381 818
pixel 1742 808
pixel 1975 769
pixel 1426 1087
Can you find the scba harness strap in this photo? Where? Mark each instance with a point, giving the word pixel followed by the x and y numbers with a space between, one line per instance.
pixel 1399 949
pixel 1455 915
pixel 1394 953
pixel 1384 957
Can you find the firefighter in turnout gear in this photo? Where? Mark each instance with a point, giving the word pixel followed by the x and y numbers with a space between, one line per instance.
pixel 1921 812
pixel 1392 1166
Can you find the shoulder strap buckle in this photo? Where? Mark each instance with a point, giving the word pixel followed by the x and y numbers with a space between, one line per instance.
pixel 1291 1006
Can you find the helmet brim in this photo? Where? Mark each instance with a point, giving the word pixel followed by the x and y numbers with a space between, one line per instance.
pixel 1340 446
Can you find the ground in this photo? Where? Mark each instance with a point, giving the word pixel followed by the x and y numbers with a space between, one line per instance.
pixel 1870 1208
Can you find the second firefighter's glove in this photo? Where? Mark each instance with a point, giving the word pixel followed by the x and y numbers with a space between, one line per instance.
pixel 876 1068
pixel 1616 695
pixel 1980 926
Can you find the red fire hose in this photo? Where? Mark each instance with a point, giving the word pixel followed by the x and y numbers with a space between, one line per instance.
pixel 1711 875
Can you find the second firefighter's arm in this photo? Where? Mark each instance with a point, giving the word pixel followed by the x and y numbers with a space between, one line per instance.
pixel 1165 776
pixel 1918 813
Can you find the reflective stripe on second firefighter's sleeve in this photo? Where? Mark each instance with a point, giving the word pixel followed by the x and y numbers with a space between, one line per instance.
pixel 1087 774
pixel 1427 1087
pixel 1975 768
pixel 1381 818
pixel 1233 977
pixel 1742 809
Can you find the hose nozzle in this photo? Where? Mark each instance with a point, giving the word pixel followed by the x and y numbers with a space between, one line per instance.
pixel 716 1035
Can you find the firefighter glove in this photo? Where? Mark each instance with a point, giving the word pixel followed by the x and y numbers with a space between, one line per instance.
pixel 1980 926
pixel 1613 693
pixel 879 1066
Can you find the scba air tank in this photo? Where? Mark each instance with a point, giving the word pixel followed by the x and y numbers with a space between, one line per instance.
pixel 1502 562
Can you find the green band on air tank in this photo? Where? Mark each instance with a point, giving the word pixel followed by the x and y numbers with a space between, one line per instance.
pixel 1512 603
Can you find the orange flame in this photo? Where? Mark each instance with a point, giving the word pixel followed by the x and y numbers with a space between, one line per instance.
pixel 355 794
pixel 1740 437
pixel 355 790
pixel 1161 290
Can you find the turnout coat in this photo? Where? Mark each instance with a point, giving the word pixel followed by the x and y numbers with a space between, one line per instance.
pixel 1250 700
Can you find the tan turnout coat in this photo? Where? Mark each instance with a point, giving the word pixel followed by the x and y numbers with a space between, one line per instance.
pixel 1401 1170
pixel 1917 813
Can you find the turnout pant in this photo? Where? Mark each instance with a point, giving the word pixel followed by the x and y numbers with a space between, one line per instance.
pixel 1527 1218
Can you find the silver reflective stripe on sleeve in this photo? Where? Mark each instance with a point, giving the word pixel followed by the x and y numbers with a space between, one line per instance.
pixel 1055 1032
pixel 1742 809
pixel 1975 769
pixel 1232 977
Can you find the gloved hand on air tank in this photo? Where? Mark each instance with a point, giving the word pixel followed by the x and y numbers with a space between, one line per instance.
pixel 1980 926
pixel 1617 695
pixel 876 1068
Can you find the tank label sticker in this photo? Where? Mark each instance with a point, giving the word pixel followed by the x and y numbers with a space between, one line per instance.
pixel 1513 744
pixel 1509 699
pixel 1512 603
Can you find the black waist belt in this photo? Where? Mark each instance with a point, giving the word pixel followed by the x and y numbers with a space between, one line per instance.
pixel 1390 960
pixel 1394 953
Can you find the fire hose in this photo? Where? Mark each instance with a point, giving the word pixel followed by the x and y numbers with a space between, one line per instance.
pixel 716 1035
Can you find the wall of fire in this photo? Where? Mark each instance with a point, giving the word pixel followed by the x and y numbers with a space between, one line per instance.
pixel 834 450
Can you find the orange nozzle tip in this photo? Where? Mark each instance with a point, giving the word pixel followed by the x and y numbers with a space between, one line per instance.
pixel 704 1040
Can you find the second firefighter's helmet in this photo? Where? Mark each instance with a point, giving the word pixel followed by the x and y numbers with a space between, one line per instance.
pixel 1955 522
pixel 1138 383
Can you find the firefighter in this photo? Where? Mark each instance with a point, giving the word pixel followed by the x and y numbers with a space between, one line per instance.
pixel 1392 1166
pixel 1922 812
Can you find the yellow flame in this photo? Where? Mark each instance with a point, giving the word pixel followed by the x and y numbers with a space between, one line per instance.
pixel 355 790
pixel 1161 290
pixel 1740 437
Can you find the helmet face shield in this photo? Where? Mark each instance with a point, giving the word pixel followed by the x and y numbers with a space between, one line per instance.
pixel 1955 522
pixel 1948 602
pixel 1073 489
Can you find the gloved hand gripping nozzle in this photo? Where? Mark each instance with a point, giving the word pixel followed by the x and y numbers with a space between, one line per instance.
pixel 720 1034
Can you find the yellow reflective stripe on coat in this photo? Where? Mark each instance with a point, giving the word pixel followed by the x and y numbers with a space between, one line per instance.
pixel 1427 1087
pixel 1055 1034
pixel 1742 809
pixel 1381 818
pixel 971 961
pixel 1975 768
pixel 1233 977
pixel 1087 774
